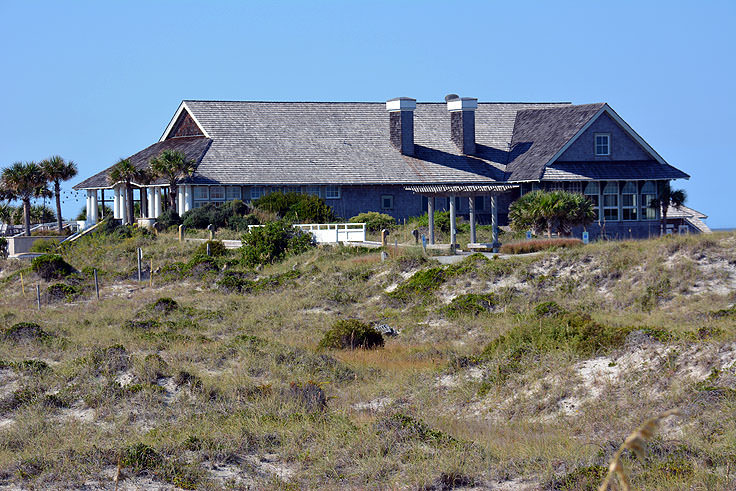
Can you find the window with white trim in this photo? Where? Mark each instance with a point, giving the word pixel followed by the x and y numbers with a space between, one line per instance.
pixel 648 197
pixel 201 193
pixel 575 187
pixel 234 192
pixel 602 144
pixel 629 205
pixel 332 192
pixel 387 202
pixel 610 202
pixel 556 186
pixel 592 192
pixel 217 193
pixel 256 192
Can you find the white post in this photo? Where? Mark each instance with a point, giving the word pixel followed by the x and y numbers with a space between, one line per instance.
pixel 116 203
pixel 156 202
pixel 124 204
pixel 188 198
pixel 453 231
pixel 88 206
pixel 337 233
pixel 494 223
pixel 151 205
pixel 180 200
pixel 430 218
pixel 471 209
pixel 93 204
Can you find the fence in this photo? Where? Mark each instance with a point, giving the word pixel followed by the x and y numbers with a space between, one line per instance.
pixel 326 233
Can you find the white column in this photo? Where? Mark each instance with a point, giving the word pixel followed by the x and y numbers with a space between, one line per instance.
pixel 116 203
pixel 471 208
pixel 149 202
pixel 494 223
pixel 88 207
pixel 156 202
pixel 180 200
pixel 123 204
pixel 453 230
pixel 93 205
pixel 430 218
pixel 188 198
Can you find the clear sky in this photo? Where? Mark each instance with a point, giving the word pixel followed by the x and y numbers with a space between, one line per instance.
pixel 99 80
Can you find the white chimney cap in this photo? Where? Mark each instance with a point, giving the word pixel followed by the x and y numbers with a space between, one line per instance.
pixel 401 104
pixel 462 104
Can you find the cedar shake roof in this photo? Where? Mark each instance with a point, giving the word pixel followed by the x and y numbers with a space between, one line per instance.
pixel 193 147
pixel 348 143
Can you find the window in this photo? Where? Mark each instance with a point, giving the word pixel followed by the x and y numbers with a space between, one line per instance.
pixel 629 207
pixel 332 192
pixel 592 192
pixel 256 192
pixel 201 193
pixel 602 144
pixel 292 189
pixel 387 202
pixel 575 187
pixel 217 193
pixel 556 186
pixel 234 192
pixel 315 190
pixel 648 196
pixel 610 202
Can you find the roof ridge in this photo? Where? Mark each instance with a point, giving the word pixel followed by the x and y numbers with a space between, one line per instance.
pixel 362 102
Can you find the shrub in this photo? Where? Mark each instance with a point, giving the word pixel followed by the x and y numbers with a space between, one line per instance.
pixel 164 305
pixel 374 221
pixel 62 291
pixel 230 214
pixel 140 457
pixel 527 246
pixel 351 334
pixel 24 331
pixel 273 242
pixel 44 245
pixel 470 304
pixel 309 394
pixel 217 248
pixel 441 221
pixel 304 208
pixel 51 266
pixel 168 219
pixel 422 283
pixel 547 309
pixel 551 211
pixel 3 248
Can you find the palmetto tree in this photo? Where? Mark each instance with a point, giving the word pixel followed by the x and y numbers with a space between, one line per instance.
pixel 554 211
pixel 667 197
pixel 24 181
pixel 172 166
pixel 124 172
pixel 56 169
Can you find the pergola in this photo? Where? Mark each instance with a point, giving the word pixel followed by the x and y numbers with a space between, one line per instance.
pixel 469 191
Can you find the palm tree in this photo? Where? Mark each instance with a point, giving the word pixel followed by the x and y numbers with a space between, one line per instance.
pixel 56 170
pixel 172 166
pixel 124 172
pixel 144 177
pixel 558 211
pixel 667 197
pixel 24 182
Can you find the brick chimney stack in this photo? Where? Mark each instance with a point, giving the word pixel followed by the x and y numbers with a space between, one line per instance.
pixel 401 123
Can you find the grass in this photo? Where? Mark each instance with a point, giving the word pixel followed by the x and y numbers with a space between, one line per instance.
pixel 175 379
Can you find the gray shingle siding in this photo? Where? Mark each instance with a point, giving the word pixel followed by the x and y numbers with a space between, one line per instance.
pixel 622 146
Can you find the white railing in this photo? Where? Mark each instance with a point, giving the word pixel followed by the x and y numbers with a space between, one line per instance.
pixel 330 233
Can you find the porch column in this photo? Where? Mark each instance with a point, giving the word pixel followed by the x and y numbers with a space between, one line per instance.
pixel 180 200
pixel 123 205
pixel 471 209
pixel 116 203
pixel 453 230
pixel 494 223
pixel 430 218
pixel 102 198
pixel 156 202
pixel 151 204
pixel 93 204
pixel 188 198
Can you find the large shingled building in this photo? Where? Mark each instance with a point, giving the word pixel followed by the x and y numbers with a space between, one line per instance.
pixel 405 158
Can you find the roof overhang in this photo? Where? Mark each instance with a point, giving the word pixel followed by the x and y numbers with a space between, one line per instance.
pixel 460 189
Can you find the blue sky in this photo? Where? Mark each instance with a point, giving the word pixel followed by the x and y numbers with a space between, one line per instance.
pixel 96 81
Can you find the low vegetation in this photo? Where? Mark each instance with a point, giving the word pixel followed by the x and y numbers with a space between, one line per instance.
pixel 284 365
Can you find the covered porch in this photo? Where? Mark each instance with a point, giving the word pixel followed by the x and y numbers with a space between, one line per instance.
pixel 151 201
pixel 469 191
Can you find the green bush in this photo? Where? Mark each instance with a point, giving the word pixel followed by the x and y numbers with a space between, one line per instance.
pixel 351 334
pixel 3 248
pixel 217 248
pixel 547 309
pixel 301 208
pixel 441 221
pixel 62 291
pixel 168 219
pixel 51 266
pixel 273 242
pixel 374 221
pixel 470 304
pixel 421 284
pixel 44 246
pixel 164 305
pixel 230 214
pixel 25 331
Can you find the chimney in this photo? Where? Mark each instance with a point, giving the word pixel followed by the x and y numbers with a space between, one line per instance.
pixel 462 122
pixel 401 123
